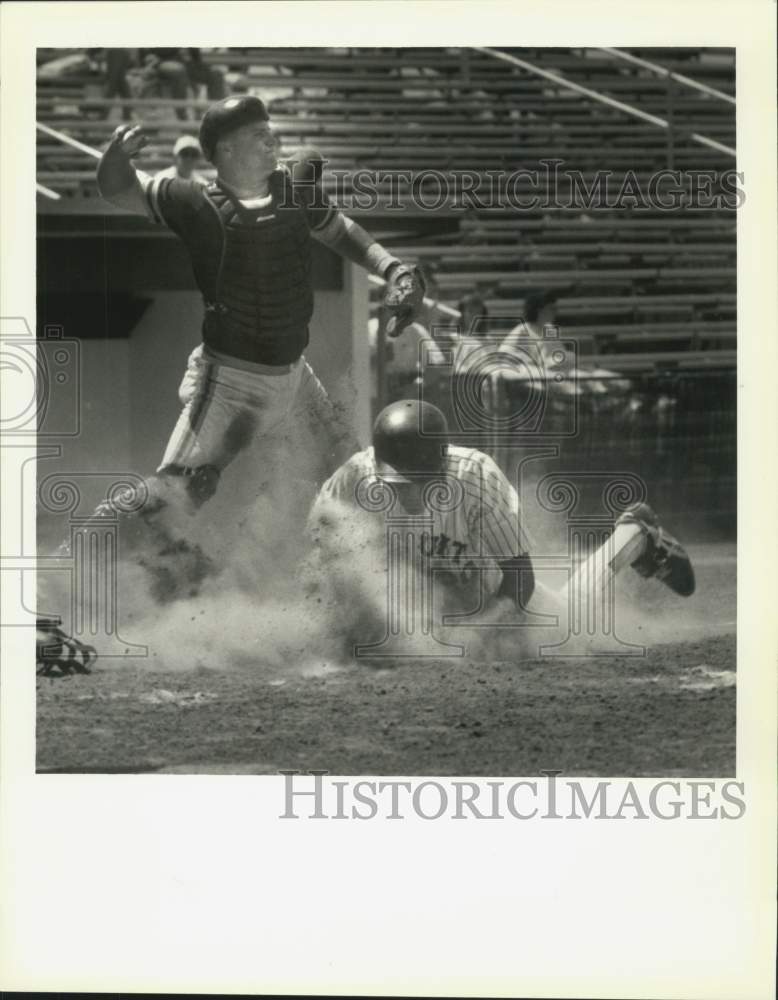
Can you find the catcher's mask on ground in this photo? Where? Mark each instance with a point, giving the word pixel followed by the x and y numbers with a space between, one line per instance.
pixel 410 439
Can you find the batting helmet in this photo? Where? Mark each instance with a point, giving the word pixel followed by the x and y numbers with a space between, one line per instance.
pixel 409 437
pixel 226 116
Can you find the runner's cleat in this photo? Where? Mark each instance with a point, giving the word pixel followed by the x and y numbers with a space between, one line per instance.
pixel 664 558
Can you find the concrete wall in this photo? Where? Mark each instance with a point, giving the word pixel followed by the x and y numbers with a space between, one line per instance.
pixel 129 387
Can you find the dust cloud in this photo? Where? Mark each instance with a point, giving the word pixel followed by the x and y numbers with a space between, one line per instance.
pixel 288 593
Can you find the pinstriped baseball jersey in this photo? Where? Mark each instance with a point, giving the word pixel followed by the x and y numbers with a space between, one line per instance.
pixel 484 518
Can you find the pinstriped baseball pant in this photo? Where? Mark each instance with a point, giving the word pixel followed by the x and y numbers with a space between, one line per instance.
pixel 226 408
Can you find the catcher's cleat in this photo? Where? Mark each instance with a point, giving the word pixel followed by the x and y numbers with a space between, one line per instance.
pixel 58 653
pixel 664 558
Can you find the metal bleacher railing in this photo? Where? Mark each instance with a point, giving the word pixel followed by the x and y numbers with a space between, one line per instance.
pixel 610 101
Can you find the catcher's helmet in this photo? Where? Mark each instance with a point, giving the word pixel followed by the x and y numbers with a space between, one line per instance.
pixel 226 116
pixel 409 438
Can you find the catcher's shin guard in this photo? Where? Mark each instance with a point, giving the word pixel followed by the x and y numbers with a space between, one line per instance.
pixel 58 653
pixel 664 557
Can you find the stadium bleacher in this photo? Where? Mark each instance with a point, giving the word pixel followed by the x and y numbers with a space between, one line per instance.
pixel 631 281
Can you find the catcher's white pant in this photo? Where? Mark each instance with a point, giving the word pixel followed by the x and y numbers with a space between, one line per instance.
pixel 228 407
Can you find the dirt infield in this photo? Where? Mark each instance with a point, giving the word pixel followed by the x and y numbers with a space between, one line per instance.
pixel 671 712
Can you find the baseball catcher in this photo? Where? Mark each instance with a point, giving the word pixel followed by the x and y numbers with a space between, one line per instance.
pixel 249 237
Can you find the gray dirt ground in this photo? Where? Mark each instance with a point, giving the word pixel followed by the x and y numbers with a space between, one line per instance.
pixel 671 712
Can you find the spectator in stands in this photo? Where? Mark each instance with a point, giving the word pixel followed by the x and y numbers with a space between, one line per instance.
pixel 117 64
pixel 201 72
pixel 475 316
pixel 473 326
pixel 182 72
pixel 540 324
pixel 186 153
pixel 237 83
pixel 540 311
pixel 169 69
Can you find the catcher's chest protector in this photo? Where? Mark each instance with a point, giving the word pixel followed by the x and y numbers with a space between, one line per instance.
pixel 257 289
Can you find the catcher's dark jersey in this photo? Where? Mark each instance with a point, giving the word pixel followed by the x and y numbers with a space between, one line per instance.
pixel 251 261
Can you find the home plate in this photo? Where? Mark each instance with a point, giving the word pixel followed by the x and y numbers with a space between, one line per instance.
pixel 702 678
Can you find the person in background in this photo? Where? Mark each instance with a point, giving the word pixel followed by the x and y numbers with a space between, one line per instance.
pixel 472 351
pixel 237 83
pixel 181 72
pixel 187 154
pixel 167 67
pixel 117 63
pixel 540 321
pixel 471 328
pixel 540 311
pixel 201 72
pixel 475 317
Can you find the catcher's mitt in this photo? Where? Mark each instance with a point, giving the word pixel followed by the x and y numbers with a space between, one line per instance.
pixel 405 287
pixel 57 653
